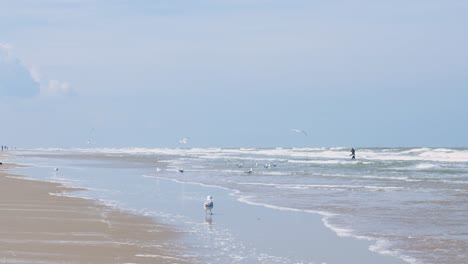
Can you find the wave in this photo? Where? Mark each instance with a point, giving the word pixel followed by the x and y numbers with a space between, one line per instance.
pixel 369 154
pixel 380 246
pixel 326 162
pixel 324 186
pixel 426 166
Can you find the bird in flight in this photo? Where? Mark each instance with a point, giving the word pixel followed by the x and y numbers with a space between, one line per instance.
pixel 183 140
pixel 299 131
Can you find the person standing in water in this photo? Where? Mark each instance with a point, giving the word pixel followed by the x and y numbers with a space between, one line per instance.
pixel 353 153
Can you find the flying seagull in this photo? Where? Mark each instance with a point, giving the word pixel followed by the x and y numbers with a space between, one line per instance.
pixel 183 140
pixel 299 131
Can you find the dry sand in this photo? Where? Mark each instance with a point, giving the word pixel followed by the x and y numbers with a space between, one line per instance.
pixel 37 226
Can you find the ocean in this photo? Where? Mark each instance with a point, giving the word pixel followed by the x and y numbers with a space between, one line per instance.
pixel 407 203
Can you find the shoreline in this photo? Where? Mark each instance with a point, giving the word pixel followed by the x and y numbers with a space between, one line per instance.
pixel 41 225
pixel 242 219
pixel 258 222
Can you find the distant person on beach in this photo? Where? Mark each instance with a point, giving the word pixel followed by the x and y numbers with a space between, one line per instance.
pixel 353 153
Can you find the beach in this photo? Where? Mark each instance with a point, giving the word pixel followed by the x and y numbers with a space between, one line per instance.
pixel 243 229
pixel 39 225
pixel 314 205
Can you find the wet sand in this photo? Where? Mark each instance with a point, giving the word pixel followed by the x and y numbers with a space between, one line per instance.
pixel 38 225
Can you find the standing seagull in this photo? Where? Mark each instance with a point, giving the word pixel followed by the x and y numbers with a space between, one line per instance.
pixel 208 205
pixel 299 131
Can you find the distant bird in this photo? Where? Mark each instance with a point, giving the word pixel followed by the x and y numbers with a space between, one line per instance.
pixel 239 165
pixel 299 131
pixel 56 169
pixel 250 171
pixel 90 137
pixel 181 170
pixel 267 166
pixel 274 164
pixel 208 205
pixel 183 140
pixel 158 170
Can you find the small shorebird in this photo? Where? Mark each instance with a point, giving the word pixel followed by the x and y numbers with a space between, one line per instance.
pixel 208 205
pixel 181 170
pixel 250 171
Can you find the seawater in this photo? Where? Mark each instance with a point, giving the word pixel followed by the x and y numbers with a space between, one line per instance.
pixel 411 203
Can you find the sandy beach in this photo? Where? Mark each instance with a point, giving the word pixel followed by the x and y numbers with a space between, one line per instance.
pixel 38 225
pixel 239 231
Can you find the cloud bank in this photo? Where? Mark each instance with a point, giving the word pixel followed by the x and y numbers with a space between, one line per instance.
pixel 15 78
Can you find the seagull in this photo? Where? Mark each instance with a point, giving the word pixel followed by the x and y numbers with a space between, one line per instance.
pixel 183 140
pixel 158 169
pixel 299 131
pixel 208 205
pixel 181 170
pixel 267 166
pixel 90 137
pixel 56 169
pixel 250 171
pixel 239 165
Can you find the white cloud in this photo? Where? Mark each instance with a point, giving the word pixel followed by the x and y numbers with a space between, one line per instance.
pixel 20 81
pixel 15 78
pixel 35 74
pixel 55 87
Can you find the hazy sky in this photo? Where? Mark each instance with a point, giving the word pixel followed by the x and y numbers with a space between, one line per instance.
pixel 233 73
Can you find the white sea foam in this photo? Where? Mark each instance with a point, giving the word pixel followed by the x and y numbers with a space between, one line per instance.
pixel 415 154
pixel 157 256
pixel 323 186
pixel 245 199
pixel 339 231
pixel 69 196
pixel 382 247
pixel 425 166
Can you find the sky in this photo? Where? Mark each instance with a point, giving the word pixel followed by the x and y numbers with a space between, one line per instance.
pixel 233 73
